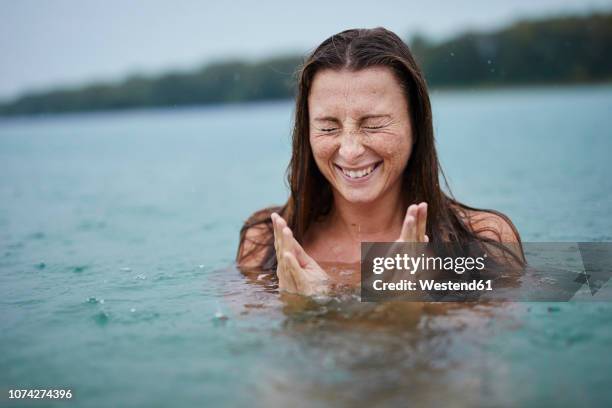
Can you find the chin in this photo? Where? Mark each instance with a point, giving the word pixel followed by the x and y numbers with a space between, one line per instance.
pixel 358 197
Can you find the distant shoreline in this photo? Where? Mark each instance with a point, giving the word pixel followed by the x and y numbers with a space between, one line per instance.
pixel 261 103
pixel 554 52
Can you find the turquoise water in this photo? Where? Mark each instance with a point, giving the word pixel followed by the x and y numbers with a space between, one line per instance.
pixel 118 232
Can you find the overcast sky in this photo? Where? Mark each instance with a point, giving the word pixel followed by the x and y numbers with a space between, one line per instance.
pixel 49 43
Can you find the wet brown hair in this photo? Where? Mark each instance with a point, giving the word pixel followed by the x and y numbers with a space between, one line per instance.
pixel 310 193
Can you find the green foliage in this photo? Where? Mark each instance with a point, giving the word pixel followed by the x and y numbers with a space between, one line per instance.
pixel 230 81
pixel 559 50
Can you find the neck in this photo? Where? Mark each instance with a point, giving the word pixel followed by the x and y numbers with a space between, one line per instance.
pixel 380 220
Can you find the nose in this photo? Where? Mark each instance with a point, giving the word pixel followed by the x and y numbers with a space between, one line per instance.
pixel 350 147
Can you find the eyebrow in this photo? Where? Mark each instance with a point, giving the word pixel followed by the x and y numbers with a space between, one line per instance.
pixel 325 119
pixel 333 119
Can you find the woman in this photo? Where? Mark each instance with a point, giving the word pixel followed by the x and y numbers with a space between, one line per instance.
pixel 363 168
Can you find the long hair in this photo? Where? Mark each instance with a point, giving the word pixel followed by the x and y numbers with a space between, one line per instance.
pixel 310 193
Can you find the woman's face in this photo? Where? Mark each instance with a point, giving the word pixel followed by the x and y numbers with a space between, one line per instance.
pixel 360 131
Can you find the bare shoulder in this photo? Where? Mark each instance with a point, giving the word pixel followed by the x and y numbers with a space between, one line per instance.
pixel 492 225
pixel 497 227
pixel 255 238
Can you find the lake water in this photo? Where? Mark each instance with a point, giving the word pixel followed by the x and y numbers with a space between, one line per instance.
pixel 118 233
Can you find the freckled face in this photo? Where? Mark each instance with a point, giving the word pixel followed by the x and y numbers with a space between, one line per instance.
pixel 360 131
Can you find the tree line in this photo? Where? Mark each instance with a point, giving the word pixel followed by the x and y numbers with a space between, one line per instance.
pixel 546 51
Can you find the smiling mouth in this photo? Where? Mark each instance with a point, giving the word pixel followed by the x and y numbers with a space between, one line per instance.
pixel 360 173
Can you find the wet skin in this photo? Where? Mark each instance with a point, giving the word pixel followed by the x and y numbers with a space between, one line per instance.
pixel 361 139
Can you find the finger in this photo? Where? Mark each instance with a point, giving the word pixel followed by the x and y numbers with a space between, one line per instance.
pixel 285 278
pixel 426 238
pixel 421 221
pixel 281 243
pixel 280 222
pixel 301 255
pixel 294 269
pixel 280 225
pixel 283 272
pixel 292 245
pixel 288 240
pixel 308 267
pixel 405 226
pixel 412 233
pixel 273 216
pixel 409 229
pixel 413 210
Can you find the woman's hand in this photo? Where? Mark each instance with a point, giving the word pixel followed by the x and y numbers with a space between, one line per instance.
pixel 297 272
pixel 415 224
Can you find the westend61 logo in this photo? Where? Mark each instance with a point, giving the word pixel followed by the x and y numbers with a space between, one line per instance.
pixel 514 272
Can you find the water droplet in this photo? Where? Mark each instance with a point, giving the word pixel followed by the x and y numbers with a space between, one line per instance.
pixel 125 269
pixel 201 266
pixel 452 54
pixel 219 315
pixel 143 277
pixel 132 310
pixel 41 265
pixel 321 299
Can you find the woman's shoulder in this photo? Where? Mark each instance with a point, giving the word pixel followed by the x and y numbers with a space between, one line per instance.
pixel 256 235
pixel 496 227
pixel 489 224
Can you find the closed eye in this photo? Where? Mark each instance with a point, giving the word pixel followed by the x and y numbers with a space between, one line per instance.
pixel 374 127
pixel 328 129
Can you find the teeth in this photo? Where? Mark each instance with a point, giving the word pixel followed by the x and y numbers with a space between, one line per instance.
pixel 358 173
